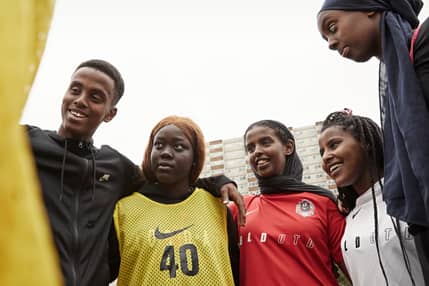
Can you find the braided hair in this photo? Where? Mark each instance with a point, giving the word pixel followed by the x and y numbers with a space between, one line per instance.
pixel 369 134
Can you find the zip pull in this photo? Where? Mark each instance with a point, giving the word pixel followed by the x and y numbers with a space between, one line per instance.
pixel 80 144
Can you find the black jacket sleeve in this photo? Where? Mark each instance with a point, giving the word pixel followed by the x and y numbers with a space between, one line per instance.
pixel 135 179
pixel 114 256
pixel 234 250
pixel 421 59
pixel 213 184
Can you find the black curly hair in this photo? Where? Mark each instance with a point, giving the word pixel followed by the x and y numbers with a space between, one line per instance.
pixel 111 71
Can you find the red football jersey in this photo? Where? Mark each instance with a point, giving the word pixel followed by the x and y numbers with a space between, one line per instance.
pixel 290 239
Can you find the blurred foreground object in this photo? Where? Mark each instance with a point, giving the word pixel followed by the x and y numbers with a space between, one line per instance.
pixel 26 247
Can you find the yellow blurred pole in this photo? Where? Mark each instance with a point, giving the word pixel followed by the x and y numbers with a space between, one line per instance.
pixel 27 255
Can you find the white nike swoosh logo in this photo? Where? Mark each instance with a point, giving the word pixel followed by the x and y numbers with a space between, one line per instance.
pixel 250 212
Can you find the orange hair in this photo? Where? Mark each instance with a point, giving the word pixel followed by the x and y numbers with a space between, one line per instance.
pixel 192 132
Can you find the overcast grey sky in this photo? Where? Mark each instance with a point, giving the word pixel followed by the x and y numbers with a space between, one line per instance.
pixel 223 63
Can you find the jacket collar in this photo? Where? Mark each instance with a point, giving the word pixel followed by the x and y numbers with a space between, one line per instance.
pixel 75 146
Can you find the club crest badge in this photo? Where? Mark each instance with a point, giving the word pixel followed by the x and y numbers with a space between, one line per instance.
pixel 305 208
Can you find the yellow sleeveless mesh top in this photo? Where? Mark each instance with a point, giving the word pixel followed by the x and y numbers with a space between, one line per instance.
pixel 173 244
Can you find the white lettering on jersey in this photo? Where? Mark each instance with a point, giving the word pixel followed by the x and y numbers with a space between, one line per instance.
pixel 389 233
pixel 263 237
pixel 280 239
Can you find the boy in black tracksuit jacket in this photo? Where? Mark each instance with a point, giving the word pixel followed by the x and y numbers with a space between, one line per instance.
pixel 80 200
pixel 80 183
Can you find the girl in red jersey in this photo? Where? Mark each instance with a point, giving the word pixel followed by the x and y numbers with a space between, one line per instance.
pixel 293 230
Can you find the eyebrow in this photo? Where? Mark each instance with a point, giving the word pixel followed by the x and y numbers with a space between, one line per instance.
pixel 333 139
pixel 98 90
pixel 75 82
pixel 322 25
pixel 180 140
pixel 174 139
pixel 249 144
pixel 267 137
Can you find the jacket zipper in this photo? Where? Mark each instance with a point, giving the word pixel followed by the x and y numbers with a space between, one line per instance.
pixel 75 268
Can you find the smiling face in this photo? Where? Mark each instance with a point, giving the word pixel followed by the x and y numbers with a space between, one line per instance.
pixel 344 159
pixel 266 152
pixel 87 103
pixel 355 35
pixel 171 157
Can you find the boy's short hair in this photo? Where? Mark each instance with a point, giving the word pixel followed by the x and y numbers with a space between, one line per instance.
pixel 111 71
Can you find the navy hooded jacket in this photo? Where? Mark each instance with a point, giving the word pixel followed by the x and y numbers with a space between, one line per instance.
pixel 404 111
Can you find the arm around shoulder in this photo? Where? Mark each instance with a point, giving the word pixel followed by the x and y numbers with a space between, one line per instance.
pixel 234 250
pixel 213 184
pixel 223 187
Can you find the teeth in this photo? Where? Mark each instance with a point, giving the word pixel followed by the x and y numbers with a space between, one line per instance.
pixel 164 165
pixel 334 167
pixel 261 161
pixel 77 114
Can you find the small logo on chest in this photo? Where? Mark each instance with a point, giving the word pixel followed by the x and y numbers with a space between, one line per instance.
pixel 164 235
pixel 104 178
pixel 305 208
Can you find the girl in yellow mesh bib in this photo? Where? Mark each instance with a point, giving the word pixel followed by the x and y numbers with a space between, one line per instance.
pixel 169 232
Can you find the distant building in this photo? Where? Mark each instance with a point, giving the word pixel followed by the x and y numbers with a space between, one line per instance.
pixel 228 157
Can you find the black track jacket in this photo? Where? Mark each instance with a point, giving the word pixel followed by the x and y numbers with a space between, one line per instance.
pixel 80 186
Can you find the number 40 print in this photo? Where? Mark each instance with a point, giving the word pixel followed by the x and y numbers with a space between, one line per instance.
pixel 186 251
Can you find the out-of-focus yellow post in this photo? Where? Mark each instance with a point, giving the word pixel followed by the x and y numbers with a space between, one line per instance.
pixel 27 255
